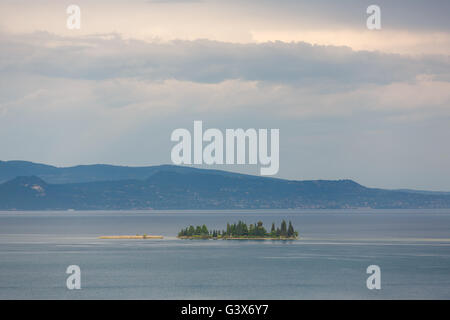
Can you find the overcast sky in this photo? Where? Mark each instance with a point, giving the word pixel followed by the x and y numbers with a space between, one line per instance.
pixel 373 106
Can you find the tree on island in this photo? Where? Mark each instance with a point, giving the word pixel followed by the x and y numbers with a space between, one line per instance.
pixel 260 230
pixel 290 232
pixel 241 230
pixel 283 229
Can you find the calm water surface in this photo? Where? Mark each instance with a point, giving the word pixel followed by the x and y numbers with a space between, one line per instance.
pixel 412 248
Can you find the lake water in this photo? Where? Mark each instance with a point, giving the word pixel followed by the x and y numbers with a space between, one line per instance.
pixel 412 248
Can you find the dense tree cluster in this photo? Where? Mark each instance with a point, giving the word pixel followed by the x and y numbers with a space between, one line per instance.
pixel 241 229
pixel 194 231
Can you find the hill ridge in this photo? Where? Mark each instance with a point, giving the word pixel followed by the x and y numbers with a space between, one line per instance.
pixel 182 188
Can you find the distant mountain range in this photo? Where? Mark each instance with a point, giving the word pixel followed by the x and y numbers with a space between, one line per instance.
pixel 31 186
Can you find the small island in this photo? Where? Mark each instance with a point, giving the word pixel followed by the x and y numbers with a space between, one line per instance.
pixel 240 231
